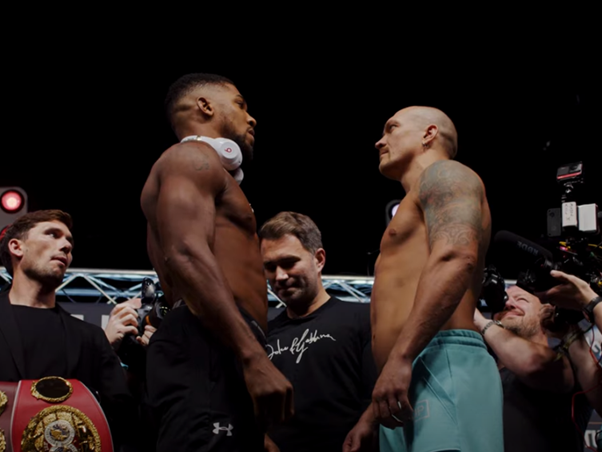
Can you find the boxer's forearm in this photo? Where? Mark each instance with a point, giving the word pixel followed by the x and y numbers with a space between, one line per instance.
pixel 209 297
pixel 442 285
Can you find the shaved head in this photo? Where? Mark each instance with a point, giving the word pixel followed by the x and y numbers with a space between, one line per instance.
pixel 182 94
pixel 423 117
pixel 210 105
pixel 412 133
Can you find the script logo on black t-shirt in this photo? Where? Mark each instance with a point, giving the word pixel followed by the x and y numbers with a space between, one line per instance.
pixel 298 345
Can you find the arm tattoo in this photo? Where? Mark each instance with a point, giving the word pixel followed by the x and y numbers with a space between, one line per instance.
pixel 201 163
pixel 451 198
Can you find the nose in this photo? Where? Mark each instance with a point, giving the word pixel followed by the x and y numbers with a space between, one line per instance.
pixel 281 275
pixel 510 303
pixel 380 143
pixel 251 121
pixel 66 246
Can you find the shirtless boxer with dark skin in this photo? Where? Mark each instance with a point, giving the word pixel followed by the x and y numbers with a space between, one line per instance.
pixel 202 237
pixel 428 275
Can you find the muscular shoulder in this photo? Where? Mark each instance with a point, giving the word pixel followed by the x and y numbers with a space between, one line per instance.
pixel 446 179
pixel 185 167
pixel 190 158
pixel 452 197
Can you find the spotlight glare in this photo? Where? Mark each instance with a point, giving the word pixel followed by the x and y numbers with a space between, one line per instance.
pixel 12 201
pixel 391 209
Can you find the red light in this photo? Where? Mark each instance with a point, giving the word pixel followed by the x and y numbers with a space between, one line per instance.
pixel 12 201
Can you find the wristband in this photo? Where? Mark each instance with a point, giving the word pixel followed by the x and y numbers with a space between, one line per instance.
pixel 492 322
pixel 588 310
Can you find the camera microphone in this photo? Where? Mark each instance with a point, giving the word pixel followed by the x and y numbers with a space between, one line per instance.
pixel 537 278
pixel 519 243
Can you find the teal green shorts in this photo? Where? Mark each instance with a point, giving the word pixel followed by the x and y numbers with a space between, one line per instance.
pixel 456 394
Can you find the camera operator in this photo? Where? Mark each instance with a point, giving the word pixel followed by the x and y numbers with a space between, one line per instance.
pixel 538 383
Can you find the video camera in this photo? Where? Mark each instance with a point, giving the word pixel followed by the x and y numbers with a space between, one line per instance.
pixel 153 306
pixel 493 290
pixel 579 224
pixel 574 255
pixel 152 311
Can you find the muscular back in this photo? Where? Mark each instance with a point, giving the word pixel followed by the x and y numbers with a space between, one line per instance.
pixel 444 219
pixel 201 233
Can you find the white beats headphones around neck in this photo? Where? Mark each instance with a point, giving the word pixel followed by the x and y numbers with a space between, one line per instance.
pixel 228 151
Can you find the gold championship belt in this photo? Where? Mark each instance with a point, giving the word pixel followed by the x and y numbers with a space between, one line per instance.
pixel 51 415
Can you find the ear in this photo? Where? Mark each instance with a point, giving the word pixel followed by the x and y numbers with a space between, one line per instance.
pixel 205 107
pixel 15 247
pixel 430 133
pixel 320 257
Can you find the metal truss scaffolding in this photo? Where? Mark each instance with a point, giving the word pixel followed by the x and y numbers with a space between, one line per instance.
pixel 113 286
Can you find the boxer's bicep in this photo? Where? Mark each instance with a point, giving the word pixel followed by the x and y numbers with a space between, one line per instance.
pixel 186 203
pixel 451 197
pixel 185 215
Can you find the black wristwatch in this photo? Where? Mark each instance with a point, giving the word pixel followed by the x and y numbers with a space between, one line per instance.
pixel 588 310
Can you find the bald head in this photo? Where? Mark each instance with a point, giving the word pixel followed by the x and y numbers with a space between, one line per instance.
pixel 423 117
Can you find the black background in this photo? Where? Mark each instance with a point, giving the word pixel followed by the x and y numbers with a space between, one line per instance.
pixel 84 121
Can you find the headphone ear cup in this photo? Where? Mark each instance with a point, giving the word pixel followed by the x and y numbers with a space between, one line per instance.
pixel 238 175
pixel 229 153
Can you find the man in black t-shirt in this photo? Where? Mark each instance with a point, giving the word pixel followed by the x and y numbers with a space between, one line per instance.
pixel 40 339
pixel 321 344
pixel 538 384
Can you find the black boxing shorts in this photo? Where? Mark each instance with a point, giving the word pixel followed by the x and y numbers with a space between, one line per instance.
pixel 196 389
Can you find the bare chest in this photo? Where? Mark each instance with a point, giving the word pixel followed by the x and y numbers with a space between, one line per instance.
pixel 406 229
pixel 233 208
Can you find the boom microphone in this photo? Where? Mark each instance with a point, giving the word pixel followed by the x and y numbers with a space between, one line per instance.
pixel 522 244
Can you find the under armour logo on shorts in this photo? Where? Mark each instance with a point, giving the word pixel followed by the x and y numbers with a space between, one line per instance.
pixel 217 429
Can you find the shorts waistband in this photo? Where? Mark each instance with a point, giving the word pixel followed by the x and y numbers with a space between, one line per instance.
pixel 458 337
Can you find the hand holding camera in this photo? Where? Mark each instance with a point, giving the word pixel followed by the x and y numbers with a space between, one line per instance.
pixel 571 293
pixel 144 340
pixel 123 321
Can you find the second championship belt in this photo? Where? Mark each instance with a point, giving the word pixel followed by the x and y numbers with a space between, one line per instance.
pixel 54 415
pixel 7 399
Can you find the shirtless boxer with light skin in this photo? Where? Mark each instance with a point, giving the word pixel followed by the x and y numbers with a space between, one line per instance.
pixel 203 244
pixel 427 281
